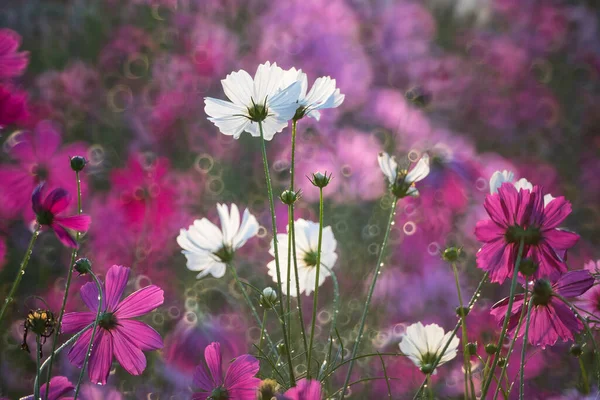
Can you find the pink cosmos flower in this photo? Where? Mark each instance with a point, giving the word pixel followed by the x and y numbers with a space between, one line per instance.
pixel 12 62
pixel 551 319
pixel 13 106
pixel 39 158
pixel 304 390
pixel 118 334
pixel 47 214
pixel 59 387
pixel 516 215
pixel 239 383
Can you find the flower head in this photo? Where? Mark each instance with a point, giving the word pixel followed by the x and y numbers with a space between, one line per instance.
pixel 47 214
pixel 423 344
pixel 118 334
pixel 402 182
pixel 263 99
pixel 12 62
pixel 305 389
pixel 550 319
pixel 208 249
pixel 307 236
pixel 13 106
pixel 498 178
pixel 239 382
pixel 517 215
pixel 59 388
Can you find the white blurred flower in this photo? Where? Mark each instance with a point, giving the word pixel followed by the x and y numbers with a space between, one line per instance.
pixel 262 99
pixel 498 178
pixel 323 93
pixel 402 182
pixel 307 236
pixel 208 249
pixel 424 344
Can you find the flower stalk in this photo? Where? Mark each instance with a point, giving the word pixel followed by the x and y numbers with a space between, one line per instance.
pixel 523 352
pixel 463 323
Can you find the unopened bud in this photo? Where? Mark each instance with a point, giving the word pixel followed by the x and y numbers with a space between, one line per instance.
pixel 289 197
pixel 462 311
pixel 528 267
pixel 78 163
pixel 83 266
pixel 268 298
pixel 576 350
pixel 491 348
pixel 320 180
pixel 427 369
pixel 451 254
pixel 472 348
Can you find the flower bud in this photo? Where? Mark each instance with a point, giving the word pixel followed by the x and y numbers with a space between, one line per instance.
pixel 418 96
pixel 472 348
pixel 83 266
pixel 451 254
pixel 281 349
pixel 542 291
pixel 576 350
pixel 289 197
pixel 427 368
pixel 501 362
pixel 462 311
pixel 491 348
pixel 268 298
pixel 78 163
pixel 528 267
pixel 320 180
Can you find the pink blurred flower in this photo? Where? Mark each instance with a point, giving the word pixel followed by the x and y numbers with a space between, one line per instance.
pixel 39 158
pixel 128 41
pixel 240 382
pixel 551 319
pixel 12 62
pixel 305 389
pixel 96 392
pixel 13 106
pixel 521 215
pixel 118 334
pixel 47 214
pixel 59 388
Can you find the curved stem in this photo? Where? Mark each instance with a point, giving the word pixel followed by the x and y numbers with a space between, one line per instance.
pixel 67 286
pixel 38 350
pixel 94 330
pixel 511 298
pixel 523 351
pixel 276 254
pixel 21 272
pixel 262 329
pixel 363 319
pixel 466 357
pixel 317 276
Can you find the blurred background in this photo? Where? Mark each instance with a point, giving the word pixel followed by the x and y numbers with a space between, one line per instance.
pixel 480 85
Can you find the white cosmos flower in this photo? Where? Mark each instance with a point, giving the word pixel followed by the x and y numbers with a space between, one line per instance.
pixel 498 178
pixel 402 182
pixel 262 99
pixel 423 345
pixel 208 249
pixel 323 93
pixel 307 237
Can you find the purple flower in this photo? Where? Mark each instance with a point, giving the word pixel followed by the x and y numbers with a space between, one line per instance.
pixel 59 387
pixel 304 390
pixel 117 334
pixel 12 62
pixel 47 214
pixel 521 215
pixel 239 383
pixel 13 106
pixel 550 319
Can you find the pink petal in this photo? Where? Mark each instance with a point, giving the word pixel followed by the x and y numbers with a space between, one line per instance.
pixel 64 236
pixel 493 206
pixel 77 352
pixel 115 282
pixel 36 198
pixel 140 334
pixel 57 200
pixel 550 264
pixel 240 374
pixel 509 201
pixel 101 358
pixel 560 239
pixel 23 149
pixel 574 283
pixel 488 231
pixel 59 386
pixel 305 390
pixel 140 302
pixel 555 212
pixel 202 380
pixel 130 357
pixel 212 355
pixel 494 257
pixel 47 140
pixel 568 321
pixel 79 223
pixel 89 295
pixel 76 321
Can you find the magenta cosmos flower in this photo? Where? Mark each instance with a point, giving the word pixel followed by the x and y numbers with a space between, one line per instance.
pixel 12 62
pixel 304 390
pixel 59 387
pixel 516 215
pixel 117 333
pixel 550 319
pixel 239 382
pixel 47 214
pixel 13 106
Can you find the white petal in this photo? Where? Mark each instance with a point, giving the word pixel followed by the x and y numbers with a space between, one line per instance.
pixel 216 108
pixel 388 166
pixel 523 184
pixel 225 218
pixel 420 171
pixel 285 102
pixel 498 178
pixel 239 88
pixel 267 82
pixel 323 94
pixel 248 229
pixel 547 199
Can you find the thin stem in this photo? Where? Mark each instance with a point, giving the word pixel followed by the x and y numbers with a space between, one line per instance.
pixel 523 351
pixel 363 319
pixel 289 273
pixel 387 380
pixel 262 329
pixel 253 309
pixel 584 377
pixel 276 254
pixel 466 358
pixel 336 307
pixel 38 350
pixel 511 298
pixel 297 276
pixel 458 324
pixel 21 272
pixel 429 387
pixel 67 286
pixel 317 276
pixel 93 336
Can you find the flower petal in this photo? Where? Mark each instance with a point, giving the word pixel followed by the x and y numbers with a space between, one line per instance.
pixel 115 283
pixel 76 321
pixel 574 283
pixel 130 357
pixel 57 200
pixel 77 352
pixel 140 334
pixel 212 355
pixel 36 198
pixel 79 223
pixel 140 302
pixel 59 386
pixel 64 236
pixel 238 87
pixel 101 358
pixel 560 239
pixel 555 212
pixel 241 372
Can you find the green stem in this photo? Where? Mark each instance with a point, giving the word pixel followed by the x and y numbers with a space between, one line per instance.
pixel 511 298
pixel 523 351
pixel 260 322
pixel 456 328
pixel 93 336
pixel 466 358
pixel 38 350
pixel 316 294
pixel 584 377
pixel 262 329
pixel 370 294
pixel 387 379
pixel 21 272
pixel 429 387
pixel 66 295
pixel 332 328
pixel 289 273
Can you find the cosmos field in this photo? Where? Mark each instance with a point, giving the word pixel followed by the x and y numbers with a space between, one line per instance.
pixel 429 168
